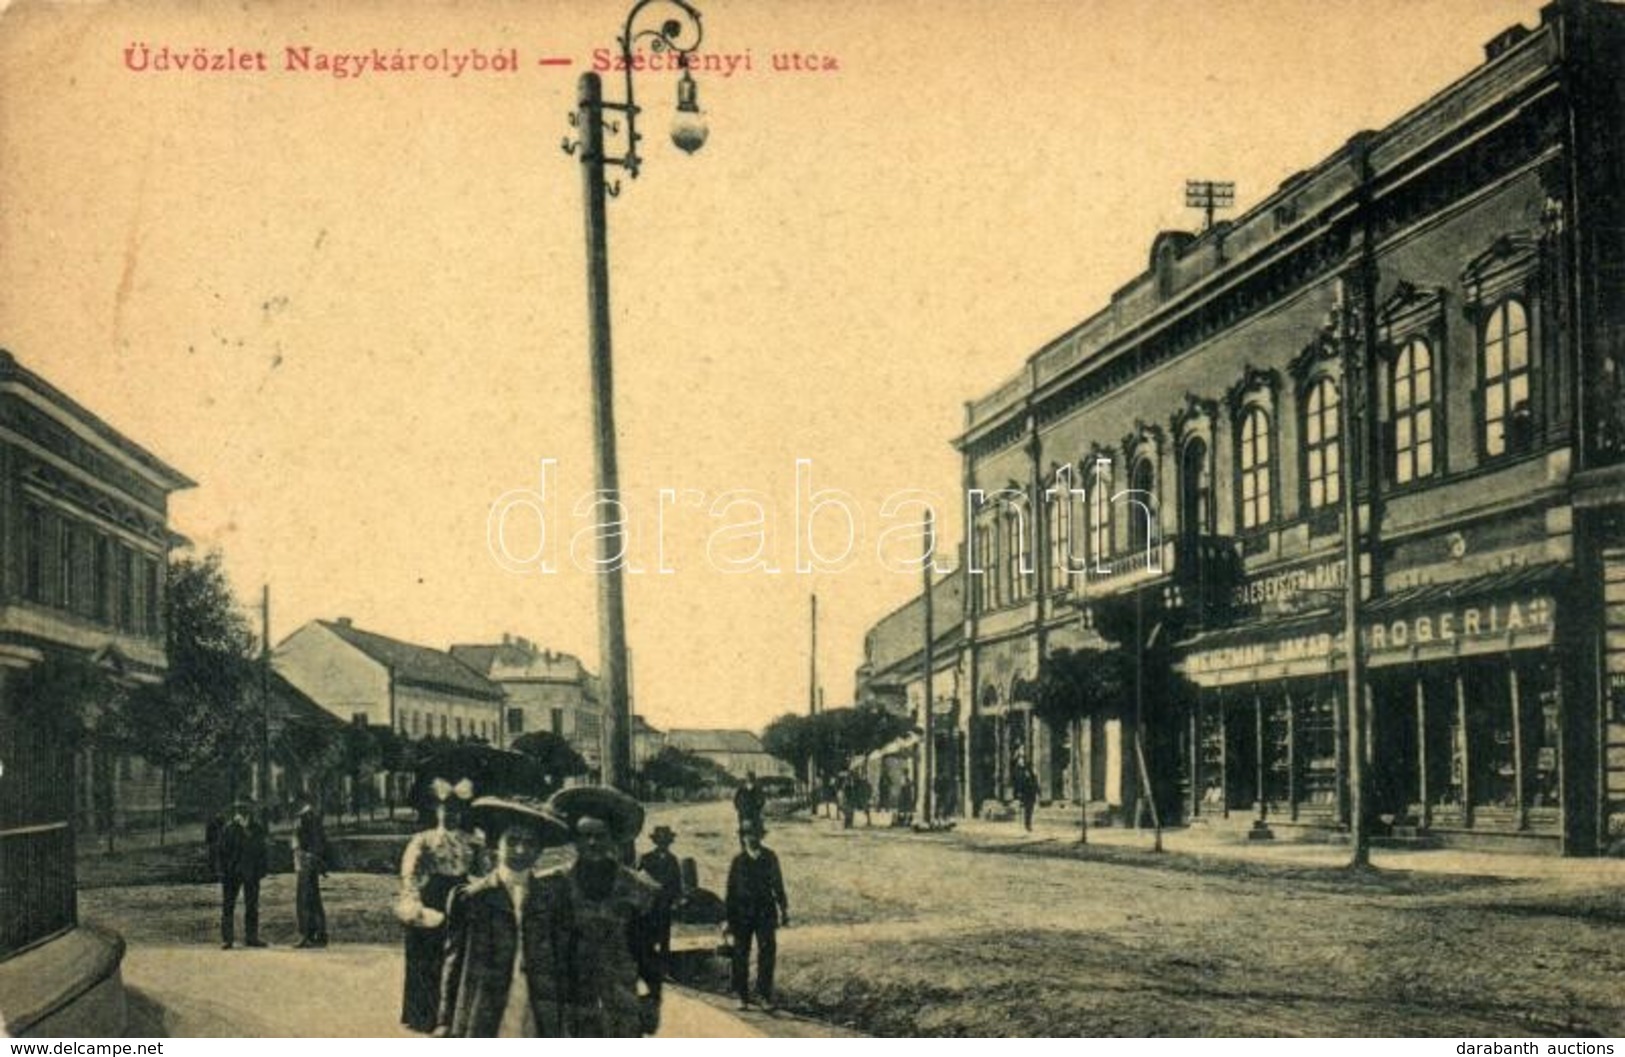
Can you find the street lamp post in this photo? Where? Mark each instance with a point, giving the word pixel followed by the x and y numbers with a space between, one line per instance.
pixel 676 37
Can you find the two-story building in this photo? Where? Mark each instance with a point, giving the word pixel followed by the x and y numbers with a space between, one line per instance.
pixel 547 691
pixel 1402 373
pixel 892 676
pixel 364 677
pixel 84 544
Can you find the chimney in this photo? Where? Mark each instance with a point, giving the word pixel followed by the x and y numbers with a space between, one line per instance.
pixel 343 622
pixel 1505 41
pixel 507 640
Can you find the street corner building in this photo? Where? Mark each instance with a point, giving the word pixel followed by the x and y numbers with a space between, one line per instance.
pixel 1389 396
pixel 84 545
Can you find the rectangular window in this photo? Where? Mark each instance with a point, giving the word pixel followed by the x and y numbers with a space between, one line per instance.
pixel 126 589
pixel 66 534
pixel 33 553
pixel 558 721
pixel 101 573
pixel 154 598
pixel 516 721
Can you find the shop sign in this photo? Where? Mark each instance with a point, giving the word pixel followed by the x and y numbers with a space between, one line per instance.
pixel 1461 623
pixel 1286 590
pixel 1314 646
pixel 1454 624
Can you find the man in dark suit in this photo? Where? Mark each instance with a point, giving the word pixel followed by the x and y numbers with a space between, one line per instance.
pixel 240 858
pixel 757 906
pixel 749 801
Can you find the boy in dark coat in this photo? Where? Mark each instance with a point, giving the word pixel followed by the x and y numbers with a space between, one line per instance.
pixel 756 906
pixel 662 867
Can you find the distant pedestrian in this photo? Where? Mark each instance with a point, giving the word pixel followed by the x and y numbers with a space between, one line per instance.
pixel 947 801
pixel 435 862
pixel 905 803
pixel 1026 789
pixel 749 800
pixel 309 866
pixel 884 797
pixel 241 862
pixel 756 907
pixel 860 797
pixel 662 867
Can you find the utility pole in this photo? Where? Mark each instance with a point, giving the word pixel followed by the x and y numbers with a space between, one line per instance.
pixel 812 693
pixel 1209 196
pixel 265 695
pixel 928 750
pixel 611 538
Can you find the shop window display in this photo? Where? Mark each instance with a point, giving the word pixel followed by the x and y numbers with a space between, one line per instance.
pixel 1317 748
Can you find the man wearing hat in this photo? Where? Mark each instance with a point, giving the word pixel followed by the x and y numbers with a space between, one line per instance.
pixel 504 974
pixel 662 867
pixel 757 906
pixel 240 859
pixel 604 919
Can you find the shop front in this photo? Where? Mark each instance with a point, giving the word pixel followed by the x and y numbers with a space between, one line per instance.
pixel 1462 701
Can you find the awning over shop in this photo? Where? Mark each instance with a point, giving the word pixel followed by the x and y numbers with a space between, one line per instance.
pixel 1512 608
pixel 903 744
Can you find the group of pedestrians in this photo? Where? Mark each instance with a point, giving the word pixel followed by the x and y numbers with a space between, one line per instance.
pixel 239 858
pixel 498 947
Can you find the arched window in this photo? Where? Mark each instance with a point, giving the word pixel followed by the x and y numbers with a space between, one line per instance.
pixel 1322 448
pixel 1254 463
pixel 1100 509
pixel 1411 396
pixel 1140 506
pixel 1508 414
pixel 1061 501
pixel 1015 555
pixel 1195 492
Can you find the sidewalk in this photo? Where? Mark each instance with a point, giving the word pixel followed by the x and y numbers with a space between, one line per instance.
pixel 348 991
pixel 1052 828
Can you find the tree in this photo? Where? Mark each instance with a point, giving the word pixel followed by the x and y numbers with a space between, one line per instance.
pixel 556 755
pixel 673 769
pixel 358 748
pixel 790 738
pixel 832 737
pixel 1075 685
pixel 207 709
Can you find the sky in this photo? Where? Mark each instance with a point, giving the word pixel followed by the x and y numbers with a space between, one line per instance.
pixel 353 309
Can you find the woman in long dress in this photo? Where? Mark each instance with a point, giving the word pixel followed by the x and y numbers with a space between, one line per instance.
pixel 436 861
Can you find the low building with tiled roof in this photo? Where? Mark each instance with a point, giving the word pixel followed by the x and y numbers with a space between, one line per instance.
pixel 364 677
pixel 737 751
